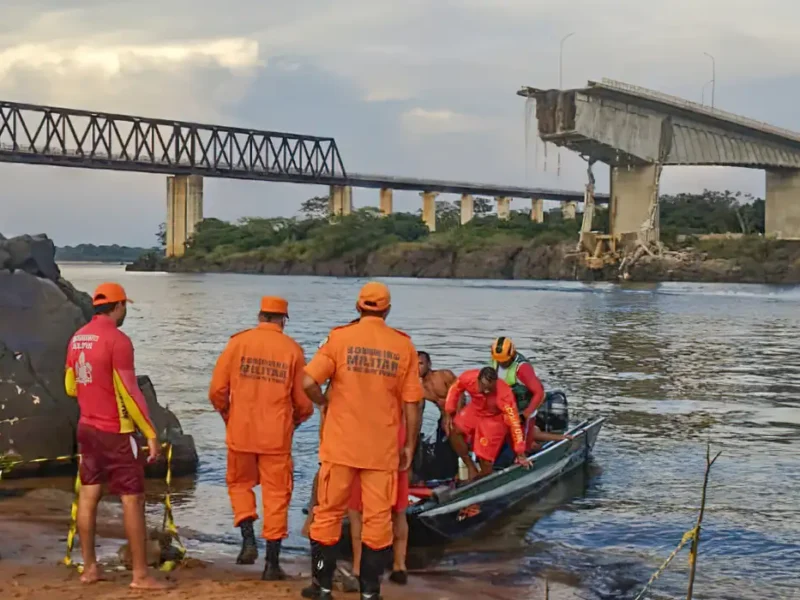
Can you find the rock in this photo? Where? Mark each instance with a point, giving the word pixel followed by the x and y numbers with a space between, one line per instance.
pixel 542 258
pixel 39 312
pixel 32 254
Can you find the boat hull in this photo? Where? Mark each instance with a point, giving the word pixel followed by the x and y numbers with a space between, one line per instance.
pixel 462 512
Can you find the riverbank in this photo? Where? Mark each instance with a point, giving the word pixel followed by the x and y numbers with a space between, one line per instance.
pixel 33 528
pixel 743 260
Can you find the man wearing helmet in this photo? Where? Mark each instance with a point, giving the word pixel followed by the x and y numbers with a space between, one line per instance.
pixel 517 371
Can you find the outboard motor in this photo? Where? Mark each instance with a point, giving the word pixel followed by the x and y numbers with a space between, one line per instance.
pixel 553 414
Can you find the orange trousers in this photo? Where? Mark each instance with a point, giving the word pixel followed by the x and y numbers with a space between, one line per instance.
pixel 378 491
pixel 275 474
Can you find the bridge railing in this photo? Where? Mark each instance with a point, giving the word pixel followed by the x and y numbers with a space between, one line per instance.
pixel 63 136
pixel 700 108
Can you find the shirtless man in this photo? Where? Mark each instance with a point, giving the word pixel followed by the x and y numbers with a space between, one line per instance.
pixel 434 383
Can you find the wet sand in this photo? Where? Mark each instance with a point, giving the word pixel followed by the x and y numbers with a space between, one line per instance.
pixel 33 529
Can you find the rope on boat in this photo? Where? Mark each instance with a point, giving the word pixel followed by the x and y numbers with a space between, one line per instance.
pixel 687 537
pixel 168 523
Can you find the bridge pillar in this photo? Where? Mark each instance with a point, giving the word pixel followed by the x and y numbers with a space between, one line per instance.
pixel 782 207
pixel 537 210
pixel 386 201
pixel 634 195
pixel 429 209
pixel 467 208
pixel 503 208
pixel 569 210
pixel 340 200
pixel 184 211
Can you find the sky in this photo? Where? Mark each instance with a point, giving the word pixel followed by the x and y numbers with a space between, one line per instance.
pixel 421 88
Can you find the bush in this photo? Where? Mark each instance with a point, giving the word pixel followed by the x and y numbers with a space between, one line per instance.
pixel 315 238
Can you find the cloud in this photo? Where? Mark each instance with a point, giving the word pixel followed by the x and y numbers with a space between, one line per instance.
pixel 236 53
pixel 421 121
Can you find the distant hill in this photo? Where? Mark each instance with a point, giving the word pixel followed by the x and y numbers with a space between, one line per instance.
pixel 92 253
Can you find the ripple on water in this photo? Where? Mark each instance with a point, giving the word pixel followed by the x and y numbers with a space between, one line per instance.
pixel 672 367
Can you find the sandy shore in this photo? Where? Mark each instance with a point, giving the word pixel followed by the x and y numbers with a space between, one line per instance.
pixel 33 531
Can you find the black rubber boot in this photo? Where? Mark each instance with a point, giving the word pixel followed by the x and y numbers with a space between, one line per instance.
pixel 249 552
pixel 272 567
pixel 323 566
pixel 399 577
pixel 373 563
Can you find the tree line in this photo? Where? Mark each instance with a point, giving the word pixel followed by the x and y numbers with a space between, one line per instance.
pixel 315 235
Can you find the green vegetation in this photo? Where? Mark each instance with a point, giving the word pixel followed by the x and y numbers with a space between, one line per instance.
pixel 92 253
pixel 710 212
pixel 313 237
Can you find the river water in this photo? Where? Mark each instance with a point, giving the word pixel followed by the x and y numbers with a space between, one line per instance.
pixel 671 366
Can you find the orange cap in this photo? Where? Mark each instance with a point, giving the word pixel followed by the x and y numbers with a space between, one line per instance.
pixel 275 305
pixel 106 293
pixel 374 296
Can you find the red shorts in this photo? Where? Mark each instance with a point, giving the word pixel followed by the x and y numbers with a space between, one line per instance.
pixel 485 433
pixel 400 501
pixel 110 458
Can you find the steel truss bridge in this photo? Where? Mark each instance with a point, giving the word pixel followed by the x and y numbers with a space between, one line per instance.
pixel 46 135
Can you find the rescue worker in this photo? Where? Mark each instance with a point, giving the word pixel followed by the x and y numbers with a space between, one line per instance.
pixel 374 378
pixel 517 371
pixel 399 572
pixel 257 387
pixel 484 422
pixel 100 373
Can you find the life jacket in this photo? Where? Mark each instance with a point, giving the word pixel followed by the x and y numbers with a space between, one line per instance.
pixel 522 394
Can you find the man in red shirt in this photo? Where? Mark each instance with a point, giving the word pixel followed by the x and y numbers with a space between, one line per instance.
pixel 485 422
pixel 101 375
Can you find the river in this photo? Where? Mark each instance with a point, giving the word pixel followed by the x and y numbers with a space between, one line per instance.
pixel 671 366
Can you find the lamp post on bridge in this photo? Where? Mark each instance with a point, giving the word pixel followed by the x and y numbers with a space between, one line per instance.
pixel 561 60
pixel 713 77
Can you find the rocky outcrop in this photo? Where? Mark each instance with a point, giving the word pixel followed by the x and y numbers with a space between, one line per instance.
pixel 523 260
pixel 39 312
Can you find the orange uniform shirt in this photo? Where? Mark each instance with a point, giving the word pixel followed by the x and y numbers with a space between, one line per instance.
pixel 258 384
pixel 373 370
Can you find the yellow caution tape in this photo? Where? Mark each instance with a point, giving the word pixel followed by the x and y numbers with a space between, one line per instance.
pixel 687 537
pixel 168 523
pixel 7 465
pixel 73 524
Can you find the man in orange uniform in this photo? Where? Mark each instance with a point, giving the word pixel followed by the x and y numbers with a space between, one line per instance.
pixel 485 421
pixel 257 387
pixel 399 573
pixel 374 382
pixel 101 375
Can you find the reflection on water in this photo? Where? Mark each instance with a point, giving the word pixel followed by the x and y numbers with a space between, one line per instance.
pixel 671 366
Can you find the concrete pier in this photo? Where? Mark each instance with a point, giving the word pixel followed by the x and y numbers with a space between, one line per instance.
pixel 569 210
pixel 467 208
pixel 184 211
pixel 386 201
pixel 503 208
pixel 429 209
pixel 537 210
pixel 340 200
pixel 633 191
pixel 782 206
